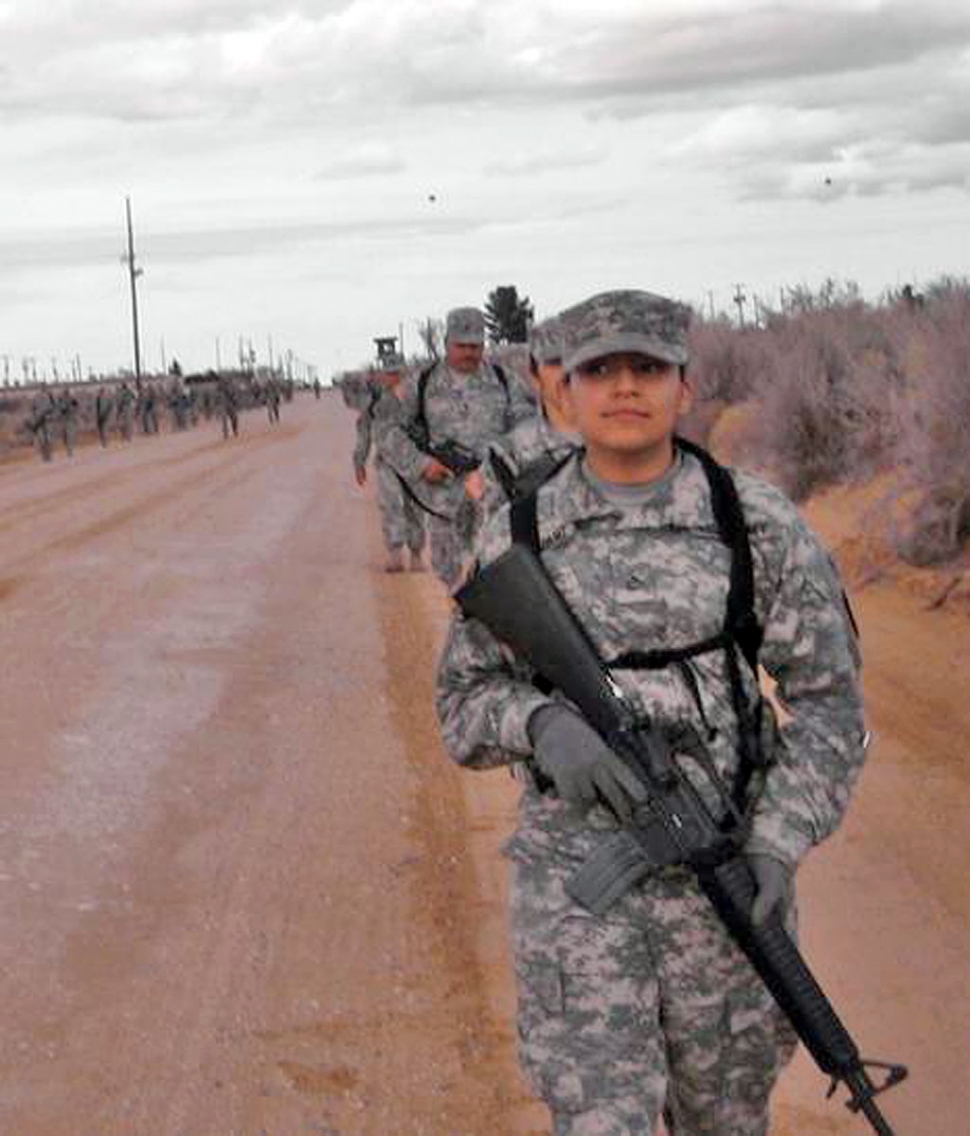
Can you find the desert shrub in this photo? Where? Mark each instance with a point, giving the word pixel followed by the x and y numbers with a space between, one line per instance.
pixel 836 390
pixel 725 364
pixel 934 427
pixel 826 399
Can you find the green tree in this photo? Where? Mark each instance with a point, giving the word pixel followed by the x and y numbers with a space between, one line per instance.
pixel 507 316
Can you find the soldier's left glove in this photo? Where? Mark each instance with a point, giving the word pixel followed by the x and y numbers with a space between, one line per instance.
pixel 583 768
pixel 774 882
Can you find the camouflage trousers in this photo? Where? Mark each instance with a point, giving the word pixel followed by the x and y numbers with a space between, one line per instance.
pixel 451 542
pixel 402 521
pixel 649 1011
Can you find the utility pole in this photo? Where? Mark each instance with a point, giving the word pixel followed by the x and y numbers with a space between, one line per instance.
pixel 740 299
pixel 133 273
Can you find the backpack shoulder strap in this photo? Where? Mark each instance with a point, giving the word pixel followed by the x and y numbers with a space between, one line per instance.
pixel 524 522
pixel 741 621
pixel 421 417
pixel 523 515
pixel 503 472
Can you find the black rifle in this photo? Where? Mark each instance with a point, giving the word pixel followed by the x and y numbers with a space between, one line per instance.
pixel 453 455
pixel 518 602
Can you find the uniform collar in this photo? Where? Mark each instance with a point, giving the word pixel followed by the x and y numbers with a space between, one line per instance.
pixel 682 499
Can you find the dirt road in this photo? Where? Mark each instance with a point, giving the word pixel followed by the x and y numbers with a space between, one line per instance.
pixel 243 892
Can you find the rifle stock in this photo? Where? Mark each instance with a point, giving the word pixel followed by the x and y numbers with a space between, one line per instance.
pixel 518 602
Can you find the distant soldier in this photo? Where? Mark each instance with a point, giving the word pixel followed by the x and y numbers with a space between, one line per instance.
pixel 148 410
pixel 317 388
pixel 451 413
pixel 402 522
pixel 103 405
pixel 228 403
pixel 178 403
pixel 67 408
pixel 43 411
pixel 125 410
pixel 272 396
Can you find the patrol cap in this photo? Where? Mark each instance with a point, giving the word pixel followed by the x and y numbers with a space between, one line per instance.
pixel 613 322
pixel 545 341
pixel 465 325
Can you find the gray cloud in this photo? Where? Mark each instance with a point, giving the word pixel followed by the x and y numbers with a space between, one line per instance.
pixel 540 160
pixel 181 58
pixel 100 247
pixel 366 160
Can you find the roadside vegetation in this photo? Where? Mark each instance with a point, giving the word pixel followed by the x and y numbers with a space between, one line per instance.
pixel 836 391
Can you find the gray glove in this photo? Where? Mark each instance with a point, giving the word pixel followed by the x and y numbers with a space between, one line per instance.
pixel 583 768
pixel 774 886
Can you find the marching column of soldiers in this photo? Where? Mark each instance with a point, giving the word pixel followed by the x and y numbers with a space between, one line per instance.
pixel 639 1006
pixel 55 415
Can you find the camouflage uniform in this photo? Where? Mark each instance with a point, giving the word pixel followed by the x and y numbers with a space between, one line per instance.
pixel 148 410
pixel 470 409
pixel 103 406
pixel 402 522
pixel 43 411
pixel 534 440
pixel 124 410
pixel 227 398
pixel 653 1006
pixel 67 408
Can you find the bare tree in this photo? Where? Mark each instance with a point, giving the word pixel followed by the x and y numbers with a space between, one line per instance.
pixel 431 332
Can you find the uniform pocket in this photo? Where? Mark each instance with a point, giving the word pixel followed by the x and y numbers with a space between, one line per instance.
pixel 760 1031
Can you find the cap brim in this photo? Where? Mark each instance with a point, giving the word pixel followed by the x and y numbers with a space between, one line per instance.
pixel 623 343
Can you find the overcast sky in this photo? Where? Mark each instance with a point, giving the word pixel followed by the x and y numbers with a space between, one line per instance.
pixel 314 173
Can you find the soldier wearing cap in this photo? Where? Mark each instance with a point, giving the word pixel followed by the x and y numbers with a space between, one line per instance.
pixel 402 522
pixel 451 412
pixel 652 1009
pixel 538 444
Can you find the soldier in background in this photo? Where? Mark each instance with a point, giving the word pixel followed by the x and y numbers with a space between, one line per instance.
pixel 450 414
pixel 67 408
pixel 529 453
pixel 103 405
pixel 178 403
pixel 402 521
pixel 43 412
pixel 317 388
pixel 227 400
pixel 653 1008
pixel 271 393
pixel 148 409
pixel 125 401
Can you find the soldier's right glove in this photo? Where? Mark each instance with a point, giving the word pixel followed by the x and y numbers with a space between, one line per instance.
pixel 581 765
